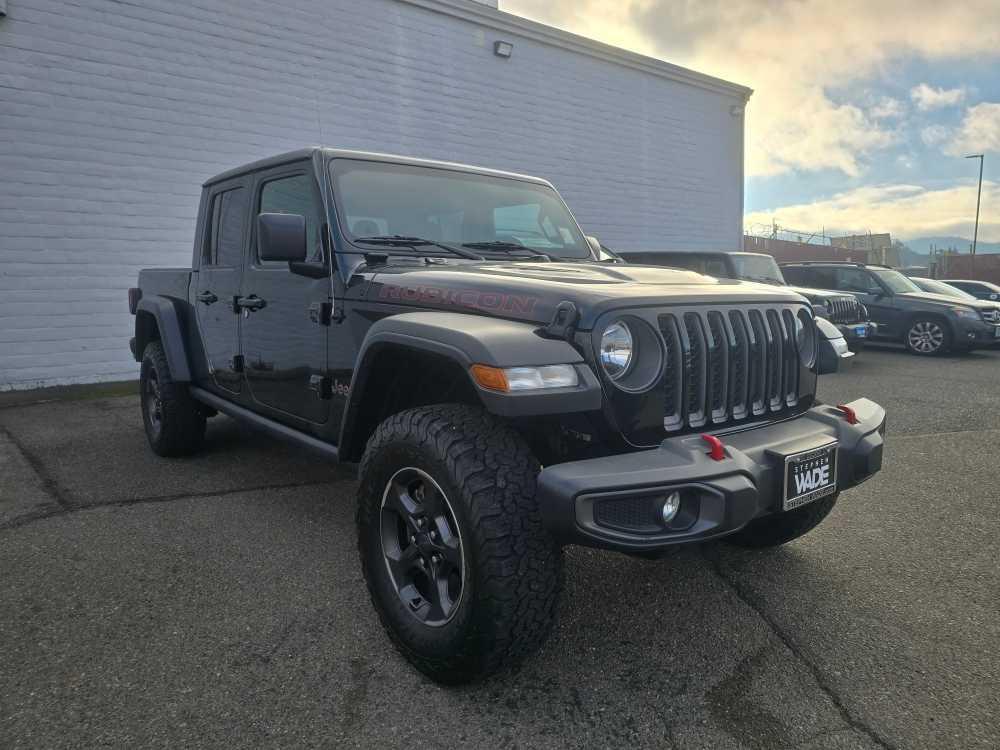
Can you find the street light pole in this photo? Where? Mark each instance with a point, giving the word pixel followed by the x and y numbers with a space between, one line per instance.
pixel 979 195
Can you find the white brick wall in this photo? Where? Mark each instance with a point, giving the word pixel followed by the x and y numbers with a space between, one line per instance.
pixel 112 112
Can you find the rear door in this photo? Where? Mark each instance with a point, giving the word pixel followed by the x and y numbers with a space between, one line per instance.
pixel 283 335
pixel 218 280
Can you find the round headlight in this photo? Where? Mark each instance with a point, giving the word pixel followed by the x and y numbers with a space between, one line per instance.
pixel 805 338
pixel 616 349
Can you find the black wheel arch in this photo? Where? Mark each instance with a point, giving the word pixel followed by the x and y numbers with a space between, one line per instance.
pixel 437 349
pixel 159 319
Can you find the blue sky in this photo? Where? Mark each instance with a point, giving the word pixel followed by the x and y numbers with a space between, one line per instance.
pixel 862 109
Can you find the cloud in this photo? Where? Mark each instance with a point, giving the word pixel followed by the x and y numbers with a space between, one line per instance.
pixel 932 135
pixel 906 211
pixel 795 54
pixel 886 108
pixel 927 97
pixel 979 132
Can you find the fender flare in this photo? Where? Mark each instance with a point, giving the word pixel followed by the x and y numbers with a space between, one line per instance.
pixel 473 339
pixel 168 322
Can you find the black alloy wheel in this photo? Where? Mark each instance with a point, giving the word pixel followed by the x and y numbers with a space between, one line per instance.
pixel 422 546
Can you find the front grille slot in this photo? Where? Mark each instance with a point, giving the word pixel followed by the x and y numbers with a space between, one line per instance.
pixel 723 367
pixel 844 309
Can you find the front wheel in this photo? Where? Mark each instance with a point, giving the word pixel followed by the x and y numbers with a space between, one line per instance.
pixel 781 528
pixel 461 572
pixel 927 337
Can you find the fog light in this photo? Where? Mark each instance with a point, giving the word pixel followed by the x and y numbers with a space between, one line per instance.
pixel 670 507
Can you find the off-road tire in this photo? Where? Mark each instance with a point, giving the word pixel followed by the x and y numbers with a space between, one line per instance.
pixel 781 528
pixel 177 426
pixel 513 569
pixel 933 327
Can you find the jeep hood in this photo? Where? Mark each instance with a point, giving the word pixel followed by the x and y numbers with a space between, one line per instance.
pixel 525 290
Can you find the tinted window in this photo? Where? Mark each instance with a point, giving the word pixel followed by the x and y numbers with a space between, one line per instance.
pixel 856 280
pixel 896 282
pixel 758 268
pixel 294 195
pixel 229 220
pixel 817 278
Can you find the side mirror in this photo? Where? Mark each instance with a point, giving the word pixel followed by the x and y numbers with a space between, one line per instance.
pixel 603 254
pixel 282 237
pixel 832 353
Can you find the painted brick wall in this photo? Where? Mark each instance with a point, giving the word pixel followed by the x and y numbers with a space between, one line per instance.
pixel 112 112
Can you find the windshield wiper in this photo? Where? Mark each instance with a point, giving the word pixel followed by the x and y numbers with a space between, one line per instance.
pixel 399 240
pixel 507 246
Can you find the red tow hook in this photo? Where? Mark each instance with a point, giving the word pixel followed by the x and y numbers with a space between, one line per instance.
pixel 717 451
pixel 849 416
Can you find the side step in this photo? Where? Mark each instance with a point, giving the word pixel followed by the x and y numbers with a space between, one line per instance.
pixel 269 426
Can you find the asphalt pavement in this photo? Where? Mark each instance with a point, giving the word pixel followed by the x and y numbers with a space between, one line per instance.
pixel 217 601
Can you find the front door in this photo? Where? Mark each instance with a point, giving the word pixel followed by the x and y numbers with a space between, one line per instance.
pixel 218 280
pixel 283 337
pixel 873 295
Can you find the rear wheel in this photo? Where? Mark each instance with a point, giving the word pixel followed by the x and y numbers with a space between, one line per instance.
pixel 461 572
pixel 781 528
pixel 927 337
pixel 174 422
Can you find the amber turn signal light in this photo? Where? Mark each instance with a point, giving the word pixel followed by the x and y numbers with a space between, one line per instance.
pixel 491 378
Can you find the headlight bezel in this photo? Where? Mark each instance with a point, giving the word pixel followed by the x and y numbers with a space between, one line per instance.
pixel 646 363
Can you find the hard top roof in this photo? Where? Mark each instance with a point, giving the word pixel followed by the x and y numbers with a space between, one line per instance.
pixel 334 153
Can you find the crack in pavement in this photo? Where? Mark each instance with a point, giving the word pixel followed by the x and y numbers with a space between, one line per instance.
pixel 757 606
pixel 50 486
pixel 30 518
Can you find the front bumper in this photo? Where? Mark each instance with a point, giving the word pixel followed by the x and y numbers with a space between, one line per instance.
pixel 611 502
pixel 857 333
pixel 974 334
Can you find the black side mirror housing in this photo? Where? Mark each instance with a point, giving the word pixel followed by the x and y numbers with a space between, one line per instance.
pixel 282 237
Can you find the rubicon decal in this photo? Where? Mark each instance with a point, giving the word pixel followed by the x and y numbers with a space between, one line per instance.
pixel 468 298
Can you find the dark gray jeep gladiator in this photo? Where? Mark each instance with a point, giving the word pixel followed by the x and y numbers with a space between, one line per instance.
pixel 504 392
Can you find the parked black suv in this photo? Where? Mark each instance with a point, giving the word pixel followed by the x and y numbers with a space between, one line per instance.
pixel 840 308
pixel 978 289
pixel 925 323
pixel 453 330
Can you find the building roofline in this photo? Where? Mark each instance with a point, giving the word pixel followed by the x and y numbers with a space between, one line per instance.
pixel 501 21
pixel 303 154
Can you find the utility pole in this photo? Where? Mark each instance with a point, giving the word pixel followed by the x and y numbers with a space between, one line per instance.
pixel 979 195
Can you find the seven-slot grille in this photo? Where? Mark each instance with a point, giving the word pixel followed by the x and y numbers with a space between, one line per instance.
pixel 727 366
pixel 845 309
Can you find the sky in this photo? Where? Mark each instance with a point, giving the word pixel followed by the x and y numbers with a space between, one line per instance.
pixel 862 111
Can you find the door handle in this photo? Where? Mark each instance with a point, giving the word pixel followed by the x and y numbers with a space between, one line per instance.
pixel 253 302
pixel 208 298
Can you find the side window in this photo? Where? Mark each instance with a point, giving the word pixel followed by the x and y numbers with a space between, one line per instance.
pixel 229 220
pixel 294 195
pixel 856 280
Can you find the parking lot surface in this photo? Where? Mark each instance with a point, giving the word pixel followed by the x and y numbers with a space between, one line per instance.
pixel 217 601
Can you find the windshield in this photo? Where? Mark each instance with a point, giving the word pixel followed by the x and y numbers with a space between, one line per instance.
pixel 758 268
pixel 937 287
pixel 897 283
pixel 377 199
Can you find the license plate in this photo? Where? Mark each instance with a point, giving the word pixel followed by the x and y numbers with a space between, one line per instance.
pixel 810 475
pixel 996 332
pixel 861 331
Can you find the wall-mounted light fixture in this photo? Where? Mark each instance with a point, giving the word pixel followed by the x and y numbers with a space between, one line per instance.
pixel 503 49
pixel 3 8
